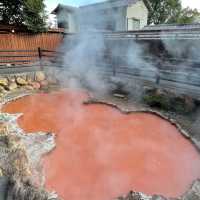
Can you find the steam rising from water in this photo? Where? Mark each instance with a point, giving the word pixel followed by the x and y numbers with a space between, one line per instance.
pixel 81 60
pixel 92 59
pixel 186 69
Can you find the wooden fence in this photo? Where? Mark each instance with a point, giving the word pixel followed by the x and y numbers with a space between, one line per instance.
pixel 24 41
pixel 16 57
pixel 19 48
pixel 21 61
pixel 181 75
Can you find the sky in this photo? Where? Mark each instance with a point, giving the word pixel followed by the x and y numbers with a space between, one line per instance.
pixel 51 4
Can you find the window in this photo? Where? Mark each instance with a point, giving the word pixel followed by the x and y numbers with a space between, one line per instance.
pixel 133 24
pixel 64 25
pixel 63 20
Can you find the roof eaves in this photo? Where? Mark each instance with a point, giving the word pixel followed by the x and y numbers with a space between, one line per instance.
pixel 110 3
pixel 113 3
pixel 63 7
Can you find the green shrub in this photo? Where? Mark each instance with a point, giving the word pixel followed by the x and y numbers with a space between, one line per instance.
pixel 168 102
pixel 158 101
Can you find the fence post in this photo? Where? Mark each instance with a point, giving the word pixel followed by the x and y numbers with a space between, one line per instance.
pixel 114 63
pixel 40 57
pixel 114 70
pixel 158 72
pixel 157 79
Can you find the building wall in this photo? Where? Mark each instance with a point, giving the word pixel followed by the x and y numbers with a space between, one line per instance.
pixel 121 19
pixel 118 16
pixel 62 19
pixel 137 11
pixel 72 23
pixel 67 20
pixel 113 19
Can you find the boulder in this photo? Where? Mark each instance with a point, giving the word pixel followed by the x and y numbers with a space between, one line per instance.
pixel 44 83
pixel 21 81
pixel 4 82
pixel 11 79
pixel 2 89
pixel 40 76
pixel 36 85
pixel 24 76
pixel 29 80
pixel 12 86
pixel 29 87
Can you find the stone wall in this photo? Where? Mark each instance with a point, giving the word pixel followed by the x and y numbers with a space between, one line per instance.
pixel 31 81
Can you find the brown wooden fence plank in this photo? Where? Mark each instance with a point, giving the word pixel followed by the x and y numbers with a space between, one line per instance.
pixel 30 41
pixel 26 41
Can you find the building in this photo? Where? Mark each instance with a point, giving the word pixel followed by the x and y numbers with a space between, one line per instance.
pixel 66 17
pixel 111 15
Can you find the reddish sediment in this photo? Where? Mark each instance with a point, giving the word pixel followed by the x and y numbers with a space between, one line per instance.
pixel 102 153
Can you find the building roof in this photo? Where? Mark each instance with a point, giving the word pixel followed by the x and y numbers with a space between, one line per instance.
pixel 101 5
pixel 61 7
pixel 114 3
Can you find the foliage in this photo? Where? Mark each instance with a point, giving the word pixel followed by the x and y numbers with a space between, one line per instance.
pixel 170 11
pixel 34 15
pixel 157 101
pixel 188 15
pixel 11 11
pixel 170 102
pixel 29 13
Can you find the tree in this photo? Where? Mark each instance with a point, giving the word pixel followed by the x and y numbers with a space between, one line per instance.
pixel 188 16
pixel 170 11
pixel 28 13
pixel 34 15
pixel 164 10
pixel 11 11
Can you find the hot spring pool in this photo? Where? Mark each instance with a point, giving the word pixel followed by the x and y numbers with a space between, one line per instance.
pixel 102 153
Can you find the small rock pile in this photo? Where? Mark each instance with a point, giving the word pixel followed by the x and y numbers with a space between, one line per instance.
pixel 31 81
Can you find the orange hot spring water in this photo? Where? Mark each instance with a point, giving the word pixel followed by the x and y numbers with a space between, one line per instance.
pixel 102 153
